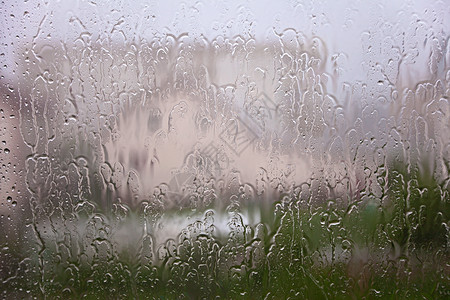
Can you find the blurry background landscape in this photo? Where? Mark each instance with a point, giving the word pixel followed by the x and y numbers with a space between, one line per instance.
pixel 240 150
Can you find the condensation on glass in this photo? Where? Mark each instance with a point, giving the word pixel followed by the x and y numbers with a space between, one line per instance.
pixel 230 149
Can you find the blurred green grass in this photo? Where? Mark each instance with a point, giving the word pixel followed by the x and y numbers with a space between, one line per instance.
pixel 390 248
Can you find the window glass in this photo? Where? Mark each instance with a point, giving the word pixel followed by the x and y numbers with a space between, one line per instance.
pixel 229 149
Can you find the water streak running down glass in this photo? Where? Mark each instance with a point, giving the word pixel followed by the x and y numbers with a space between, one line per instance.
pixel 224 149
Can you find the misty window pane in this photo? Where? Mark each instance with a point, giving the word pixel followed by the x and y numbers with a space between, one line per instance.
pixel 224 149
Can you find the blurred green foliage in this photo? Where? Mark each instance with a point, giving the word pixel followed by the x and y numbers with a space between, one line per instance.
pixel 395 247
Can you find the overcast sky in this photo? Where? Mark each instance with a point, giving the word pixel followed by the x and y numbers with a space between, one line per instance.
pixel 340 24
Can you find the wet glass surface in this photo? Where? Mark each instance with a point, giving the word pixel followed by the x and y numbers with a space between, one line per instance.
pixel 229 149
